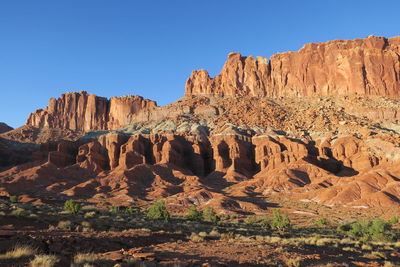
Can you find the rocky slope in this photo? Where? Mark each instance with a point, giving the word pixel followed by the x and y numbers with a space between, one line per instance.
pixel 227 152
pixel 4 127
pixel 342 67
pixel 87 112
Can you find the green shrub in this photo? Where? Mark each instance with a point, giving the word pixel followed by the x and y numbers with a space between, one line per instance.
pixel 14 199
pixel 209 215
pixel 115 209
pixel 131 210
pixel 72 206
pixel 194 214
pixel 19 212
pixel 394 220
pixel 280 222
pixel 374 230
pixel 265 222
pixel 321 222
pixel 158 211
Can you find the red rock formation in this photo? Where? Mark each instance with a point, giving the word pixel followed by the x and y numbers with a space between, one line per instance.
pixel 271 153
pixel 233 152
pixel 86 112
pixel 64 155
pixel 368 66
pixel 92 156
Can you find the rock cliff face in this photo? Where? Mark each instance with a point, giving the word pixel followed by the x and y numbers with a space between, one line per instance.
pixel 86 112
pixel 368 66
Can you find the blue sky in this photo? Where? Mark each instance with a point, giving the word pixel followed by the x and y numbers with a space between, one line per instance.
pixel 113 48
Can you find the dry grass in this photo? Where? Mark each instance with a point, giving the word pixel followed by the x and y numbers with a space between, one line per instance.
pixel 294 262
pixel 81 258
pixel 44 261
pixel 19 251
pixel 87 259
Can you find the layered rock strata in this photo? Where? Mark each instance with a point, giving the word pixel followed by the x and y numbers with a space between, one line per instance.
pixel 81 111
pixel 368 66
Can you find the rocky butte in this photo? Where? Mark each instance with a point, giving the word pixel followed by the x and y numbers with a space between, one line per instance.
pixel 320 125
pixel 87 112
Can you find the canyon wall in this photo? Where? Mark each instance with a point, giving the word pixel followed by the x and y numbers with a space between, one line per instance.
pixel 368 66
pixel 87 112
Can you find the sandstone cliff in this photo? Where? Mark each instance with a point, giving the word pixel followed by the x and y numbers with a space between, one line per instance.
pixel 86 112
pixel 368 66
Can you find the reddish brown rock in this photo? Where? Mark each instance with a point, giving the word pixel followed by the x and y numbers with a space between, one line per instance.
pixel 271 153
pixel 87 112
pixel 112 142
pixel 368 66
pixel 92 156
pixel 63 156
pixel 233 152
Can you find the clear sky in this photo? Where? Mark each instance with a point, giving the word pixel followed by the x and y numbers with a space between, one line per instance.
pixel 113 48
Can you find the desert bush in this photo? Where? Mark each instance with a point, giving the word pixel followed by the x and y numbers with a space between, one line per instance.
pixel 158 211
pixel 131 210
pixel 19 212
pixel 228 236
pixel 86 227
pixel 209 215
pixel 14 199
pixel 71 206
pixel 196 238
pixel 194 214
pixel 90 214
pixel 320 222
pixel 265 222
pixel 251 220
pixel 280 222
pixel 293 262
pixel 44 261
pixel 374 230
pixel 394 220
pixel 19 251
pixel 115 209
pixel 214 233
pixel 64 225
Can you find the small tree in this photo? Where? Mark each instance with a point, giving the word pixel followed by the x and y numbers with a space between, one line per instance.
pixel 210 215
pixel 194 214
pixel 280 222
pixel 72 206
pixel 158 211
